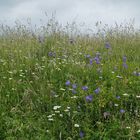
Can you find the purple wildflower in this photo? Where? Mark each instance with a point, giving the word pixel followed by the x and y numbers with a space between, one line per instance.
pixel 107 45
pixel 124 62
pixel 118 97
pixel 97 58
pixel 125 65
pixel 89 98
pixel 85 88
pixel 124 59
pixel 91 61
pixel 136 73
pixel 81 134
pixel 74 86
pixel 67 83
pixel 51 54
pixel 87 55
pixel 74 91
pixel 122 111
pixel 97 90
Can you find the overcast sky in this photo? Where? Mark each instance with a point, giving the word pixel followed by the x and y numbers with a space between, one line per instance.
pixel 87 11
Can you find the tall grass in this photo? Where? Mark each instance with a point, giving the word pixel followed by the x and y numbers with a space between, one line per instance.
pixel 60 84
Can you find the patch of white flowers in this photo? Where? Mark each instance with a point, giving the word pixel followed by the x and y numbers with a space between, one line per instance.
pixel 73 97
pixel 76 125
pixel 56 107
pixel 125 94
pixel 116 105
pixel 138 96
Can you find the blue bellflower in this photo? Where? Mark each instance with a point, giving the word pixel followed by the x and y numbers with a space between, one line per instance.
pixel 87 55
pixel 74 86
pixel 89 98
pixel 74 91
pixel 124 62
pixel 91 61
pixel 67 83
pixel 97 90
pixel 81 134
pixel 107 45
pixel 122 111
pixel 85 88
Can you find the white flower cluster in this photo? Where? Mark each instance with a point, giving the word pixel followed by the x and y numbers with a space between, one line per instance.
pixel 56 107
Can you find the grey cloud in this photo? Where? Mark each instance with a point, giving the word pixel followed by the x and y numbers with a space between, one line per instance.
pixel 88 11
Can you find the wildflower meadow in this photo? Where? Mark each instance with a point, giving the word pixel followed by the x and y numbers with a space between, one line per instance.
pixel 61 84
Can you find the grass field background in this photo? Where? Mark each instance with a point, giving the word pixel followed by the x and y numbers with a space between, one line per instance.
pixel 59 84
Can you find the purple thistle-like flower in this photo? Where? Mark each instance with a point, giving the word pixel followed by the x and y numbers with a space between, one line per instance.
pixel 81 134
pixel 107 45
pixel 122 111
pixel 67 83
pixel 85 88
pixel 89 98
pixel 97 90
pixel 74 86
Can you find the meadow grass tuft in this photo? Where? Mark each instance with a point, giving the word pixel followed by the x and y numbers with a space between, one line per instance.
pixel 60 85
